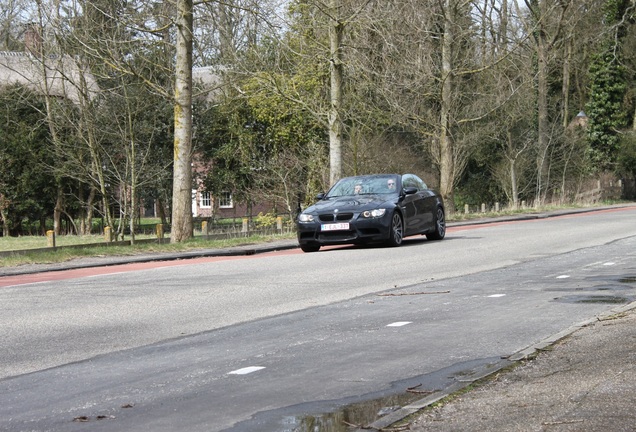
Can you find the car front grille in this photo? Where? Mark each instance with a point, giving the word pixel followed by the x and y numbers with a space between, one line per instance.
pixel 330 217
pixel 337 236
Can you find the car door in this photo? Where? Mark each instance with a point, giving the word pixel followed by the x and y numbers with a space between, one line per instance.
pixel 424 203
pixel 427 206
pixel 413 222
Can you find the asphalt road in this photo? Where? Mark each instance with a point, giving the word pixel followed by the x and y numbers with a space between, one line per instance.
pixel 269 342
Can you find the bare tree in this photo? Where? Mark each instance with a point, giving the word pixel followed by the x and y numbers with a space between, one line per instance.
pixel 182 179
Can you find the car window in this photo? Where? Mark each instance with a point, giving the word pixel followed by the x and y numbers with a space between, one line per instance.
pixel 408 180
pixel 364 186
pixel 411 180
pixel 422 185
pixel 384 185
pixel 343 187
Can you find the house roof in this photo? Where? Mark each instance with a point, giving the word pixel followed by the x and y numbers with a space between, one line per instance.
pixel 209 82
pixel 65 77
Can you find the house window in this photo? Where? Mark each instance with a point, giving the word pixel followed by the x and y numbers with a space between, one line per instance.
pixel 205 200
pixel 225 200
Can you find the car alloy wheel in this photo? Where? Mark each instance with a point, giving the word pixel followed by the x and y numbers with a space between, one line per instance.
pixel 440 226
pixel 397 230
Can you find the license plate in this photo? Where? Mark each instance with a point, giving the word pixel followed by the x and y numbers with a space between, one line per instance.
pixel 334 227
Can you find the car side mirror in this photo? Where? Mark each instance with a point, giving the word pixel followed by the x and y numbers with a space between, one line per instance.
pixel 409 190
pixel 320 196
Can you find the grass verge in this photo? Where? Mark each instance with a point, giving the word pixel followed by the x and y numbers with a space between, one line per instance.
pixel 62 254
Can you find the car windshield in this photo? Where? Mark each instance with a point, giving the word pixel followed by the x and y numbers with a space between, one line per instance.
pixel 372 185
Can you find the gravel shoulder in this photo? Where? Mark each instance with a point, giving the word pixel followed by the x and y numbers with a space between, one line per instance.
pixel 586 382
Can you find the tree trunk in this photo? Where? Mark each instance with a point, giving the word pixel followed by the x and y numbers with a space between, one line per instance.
pixel 182 181
pixel 133 210
pixel 565 92
pixel 89 212
pixel 446 160
pixel 514 189
pixel 57 212
pixel 543 122
pixel 5 220
pixel 335 120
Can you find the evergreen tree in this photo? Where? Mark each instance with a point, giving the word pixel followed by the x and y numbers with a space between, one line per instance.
pixel 27 191
pixel 607 90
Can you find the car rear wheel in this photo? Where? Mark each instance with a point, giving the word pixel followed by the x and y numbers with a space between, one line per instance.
pixel 310 247
pixel 440 226
pixel 397 230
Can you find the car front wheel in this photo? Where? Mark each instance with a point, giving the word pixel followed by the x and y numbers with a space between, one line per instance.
pixel 397 230
pixel 440 226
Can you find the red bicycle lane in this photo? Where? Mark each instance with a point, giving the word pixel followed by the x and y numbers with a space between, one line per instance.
pixel 58 275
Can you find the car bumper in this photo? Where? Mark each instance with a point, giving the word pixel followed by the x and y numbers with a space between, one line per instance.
pixel 360 231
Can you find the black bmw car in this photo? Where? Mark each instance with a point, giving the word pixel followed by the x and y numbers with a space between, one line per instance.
pixel 380 208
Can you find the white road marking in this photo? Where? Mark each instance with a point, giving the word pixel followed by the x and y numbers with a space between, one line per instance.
pixel 399 323
pixel 496 295
pixel 609 264
pixel 563 277
pixel 247 370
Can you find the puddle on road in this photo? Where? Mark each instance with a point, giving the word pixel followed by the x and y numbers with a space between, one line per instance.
pixel 358 414
pixel 608 287
pixel 592 299
pixel 612 283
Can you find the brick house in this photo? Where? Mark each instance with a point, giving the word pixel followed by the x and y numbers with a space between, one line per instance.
pixel 204 204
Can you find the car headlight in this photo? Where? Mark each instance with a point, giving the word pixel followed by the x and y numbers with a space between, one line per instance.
pixel 303 217
pixel 373 213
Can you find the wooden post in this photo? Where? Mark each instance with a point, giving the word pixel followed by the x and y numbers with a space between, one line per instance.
pixel 279 223
pixel 245 226
pixel 159 230
pixel 204 229
pixel 465 208
pixel 497 207
pixel 50 238
pixel 108 234
pixel 483 208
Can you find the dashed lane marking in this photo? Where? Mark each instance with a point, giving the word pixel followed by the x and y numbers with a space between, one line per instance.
pixel 246 370
pixel 399 323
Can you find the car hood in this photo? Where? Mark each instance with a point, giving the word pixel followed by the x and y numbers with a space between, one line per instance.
pixel 353 203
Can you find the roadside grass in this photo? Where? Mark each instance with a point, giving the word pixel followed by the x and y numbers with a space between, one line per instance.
pixel 35 242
